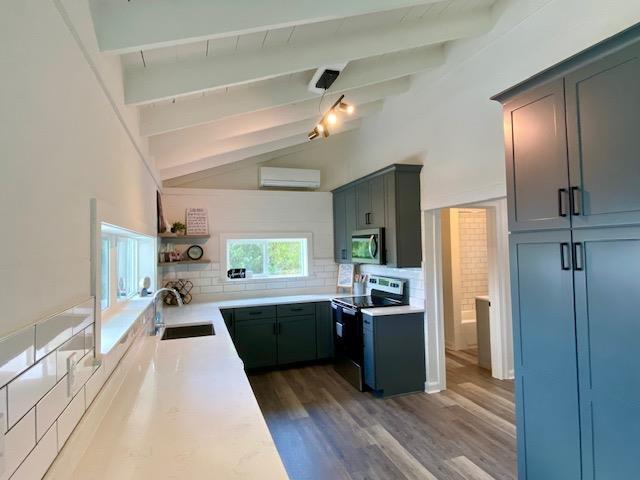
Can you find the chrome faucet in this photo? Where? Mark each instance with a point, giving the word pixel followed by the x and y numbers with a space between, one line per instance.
pixel 157 319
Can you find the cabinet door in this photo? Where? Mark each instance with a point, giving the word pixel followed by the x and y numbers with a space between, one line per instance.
pixel 608 326
pixel 390 222
pixel 536 156
pixel 351 217
pixel 340 227
pixel 228 321
pixel 376 194
pixel 547 412
pixel 363 201
pixel 603 114
pixel 324 330
pixel 296 339
pixel 369 354
pixel 256 342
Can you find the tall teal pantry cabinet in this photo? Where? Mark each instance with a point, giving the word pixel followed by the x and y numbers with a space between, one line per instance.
pixel 572 143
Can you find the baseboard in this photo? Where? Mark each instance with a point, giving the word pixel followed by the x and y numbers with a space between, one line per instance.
pixel 433 387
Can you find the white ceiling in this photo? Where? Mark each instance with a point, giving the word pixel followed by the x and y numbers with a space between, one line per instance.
pixel 218 82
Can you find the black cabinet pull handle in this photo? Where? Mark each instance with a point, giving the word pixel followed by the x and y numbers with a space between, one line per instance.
pixel 575 201
pixel 344 253
pixel 256 313
pixel 565 252
pixel 279 328
pixel 578 256
pixel 562 192
pixel 275 329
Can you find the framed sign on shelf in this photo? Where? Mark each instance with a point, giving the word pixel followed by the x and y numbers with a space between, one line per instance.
pixel 197 221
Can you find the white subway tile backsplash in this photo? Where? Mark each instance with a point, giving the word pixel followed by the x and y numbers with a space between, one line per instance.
pixel 18 442
pixel 38 461
pixel 17 353
pixel 85 367
pixel 25 390
pixel 52 333
pixel 234 288
pixel 94 384
pixel 89 338
pixel 76 345
pixel 51 406
pixel 70 418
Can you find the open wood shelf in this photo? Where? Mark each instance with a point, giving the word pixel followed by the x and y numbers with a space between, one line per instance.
pixel 184 262
pixel 173 236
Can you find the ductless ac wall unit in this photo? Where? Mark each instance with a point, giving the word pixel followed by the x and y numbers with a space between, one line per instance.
pixel 301 178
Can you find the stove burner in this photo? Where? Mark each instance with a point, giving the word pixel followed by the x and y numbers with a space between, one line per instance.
pixel 368 301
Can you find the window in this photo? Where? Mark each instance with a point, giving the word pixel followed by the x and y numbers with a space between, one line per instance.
pixel 104 277
pixel 269 257
pixel 126 258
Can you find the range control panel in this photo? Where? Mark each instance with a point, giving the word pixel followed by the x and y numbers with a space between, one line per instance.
pixel 387 284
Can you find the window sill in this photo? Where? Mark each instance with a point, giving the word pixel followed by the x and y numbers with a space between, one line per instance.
pixel 116 325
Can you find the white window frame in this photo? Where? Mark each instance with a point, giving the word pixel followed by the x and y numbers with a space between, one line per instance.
pixel 113 233
pixel 225 237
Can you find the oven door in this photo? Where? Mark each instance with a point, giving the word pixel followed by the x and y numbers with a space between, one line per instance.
pixel 367 247
pixel 349 345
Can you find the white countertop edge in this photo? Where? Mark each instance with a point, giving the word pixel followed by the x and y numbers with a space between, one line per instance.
pixel 402 310
pixel 118 324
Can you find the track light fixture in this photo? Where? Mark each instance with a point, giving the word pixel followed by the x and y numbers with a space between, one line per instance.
pixel 330 118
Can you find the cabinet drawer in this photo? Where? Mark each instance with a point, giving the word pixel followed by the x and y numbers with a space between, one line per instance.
pixel 296 309
pixel 254 313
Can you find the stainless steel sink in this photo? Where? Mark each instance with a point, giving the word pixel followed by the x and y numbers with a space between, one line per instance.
pixel 171 333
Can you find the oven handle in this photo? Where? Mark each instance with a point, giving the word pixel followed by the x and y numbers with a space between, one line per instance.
pixel 347 310
pixel 373 246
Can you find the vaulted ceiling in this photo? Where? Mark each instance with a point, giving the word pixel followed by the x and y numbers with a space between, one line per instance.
pixel 222 81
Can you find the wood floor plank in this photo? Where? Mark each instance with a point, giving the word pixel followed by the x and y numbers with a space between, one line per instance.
pixel 483 413
pixel 288 397
pixel 469 470
pixel 406 463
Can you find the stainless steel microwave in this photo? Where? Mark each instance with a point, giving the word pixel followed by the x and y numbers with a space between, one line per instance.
pixel 367 246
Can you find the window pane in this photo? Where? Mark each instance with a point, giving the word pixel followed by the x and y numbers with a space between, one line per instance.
pixel 285 257
pixel 104 274
pixel 246 254
pixel 127 267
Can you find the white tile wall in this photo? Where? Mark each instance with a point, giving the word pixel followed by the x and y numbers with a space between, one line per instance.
pixel 17 353
pixel 73 346
pixel 4 425
pixel 36 395
pixel 18 442
pixel 25 390
pixel 210 280
pixel 414 277
pixel 39 460
pixel 50 406
pixel 70 417
pixel 474 276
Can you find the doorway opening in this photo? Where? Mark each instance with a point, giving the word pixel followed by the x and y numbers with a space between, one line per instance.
pixel 444 296
pixel 465 284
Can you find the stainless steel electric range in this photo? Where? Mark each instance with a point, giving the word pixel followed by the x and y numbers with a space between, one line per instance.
pixel 347 323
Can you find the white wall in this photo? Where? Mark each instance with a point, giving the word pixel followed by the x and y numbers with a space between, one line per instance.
pixel 66 138
pixel 447 119
pixel 260 212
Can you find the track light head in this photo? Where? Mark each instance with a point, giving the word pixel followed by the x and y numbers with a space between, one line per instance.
pixel 331 118
pixel 346 107
pixel 313 134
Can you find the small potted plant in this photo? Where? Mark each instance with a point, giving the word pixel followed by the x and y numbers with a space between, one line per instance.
pixel 178 228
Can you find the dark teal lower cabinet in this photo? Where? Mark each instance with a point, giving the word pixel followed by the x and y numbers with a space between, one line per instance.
pixel 607 291
pixel 548 426
pixel 256 342
pixel 228 321
pixel 324 330
pixel 296 339
pixel 273 335
pixel 394 358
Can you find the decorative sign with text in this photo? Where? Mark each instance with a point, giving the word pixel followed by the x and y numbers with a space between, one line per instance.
pixel 197 221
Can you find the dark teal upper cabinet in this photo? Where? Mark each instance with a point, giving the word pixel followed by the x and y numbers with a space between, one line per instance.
pixel 389 199
pixel 536 159
pixel 340 227
pixel 608 325
pixel 370 199
pixel 603 121
pixel 548 425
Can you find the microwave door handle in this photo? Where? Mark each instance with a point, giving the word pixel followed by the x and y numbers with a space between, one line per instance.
pixel 373 246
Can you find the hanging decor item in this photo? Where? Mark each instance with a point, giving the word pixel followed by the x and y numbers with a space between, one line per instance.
pixel 162 223
pixel 197 221
pixel 330 118
pixel 195 252
pixel 183 287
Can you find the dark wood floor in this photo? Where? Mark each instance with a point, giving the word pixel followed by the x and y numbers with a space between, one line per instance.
pixel 325 429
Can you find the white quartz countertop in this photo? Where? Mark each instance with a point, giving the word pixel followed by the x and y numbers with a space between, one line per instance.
pixel 185 410
pixel 376 312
